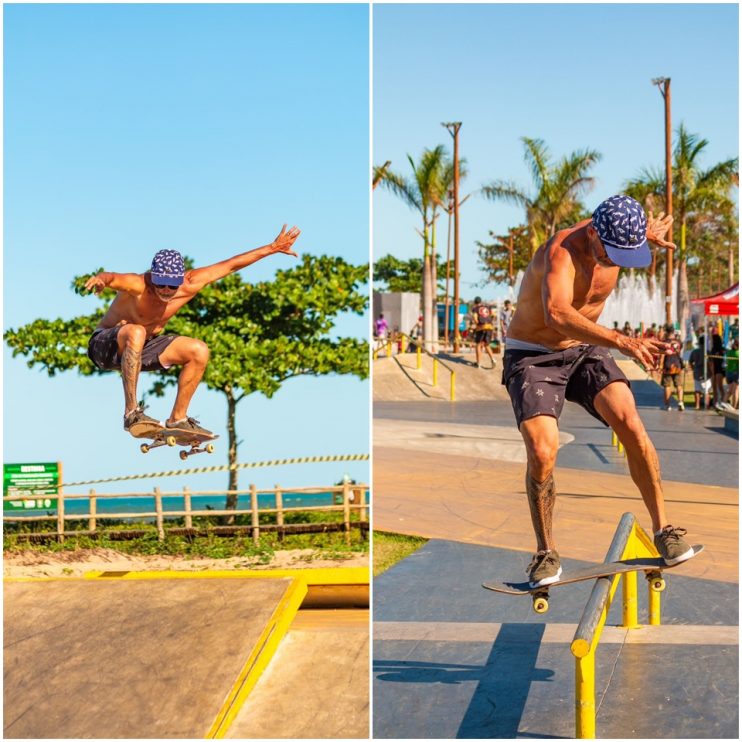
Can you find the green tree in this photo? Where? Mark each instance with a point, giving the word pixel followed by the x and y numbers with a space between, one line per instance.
pixel 260 335
pixel 699 198
pixel 426 192
pixel 495 258
pixel 554 202
pixel 395 274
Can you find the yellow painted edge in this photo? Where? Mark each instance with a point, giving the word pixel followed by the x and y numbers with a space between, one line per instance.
pixel 324 576
pixel 259 658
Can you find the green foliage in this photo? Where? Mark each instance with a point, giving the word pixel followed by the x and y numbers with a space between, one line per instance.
pixel 397 275
pixel 494 257
pixel 259 334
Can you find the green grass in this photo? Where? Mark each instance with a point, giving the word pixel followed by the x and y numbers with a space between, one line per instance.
pixel 390 548
pixel 330 545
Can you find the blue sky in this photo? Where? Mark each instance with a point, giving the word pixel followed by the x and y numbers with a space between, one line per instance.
pixel 203 128
pixel 575 76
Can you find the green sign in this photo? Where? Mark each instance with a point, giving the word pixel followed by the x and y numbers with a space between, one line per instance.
pixel 36 484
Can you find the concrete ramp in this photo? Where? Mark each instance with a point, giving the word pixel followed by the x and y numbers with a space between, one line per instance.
pixel 133 657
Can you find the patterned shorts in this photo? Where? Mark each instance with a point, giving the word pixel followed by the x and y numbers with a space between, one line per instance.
pixel 103 350
pixel 538 383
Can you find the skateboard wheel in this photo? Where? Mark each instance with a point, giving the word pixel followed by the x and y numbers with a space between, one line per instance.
pixel 540 605
pixel 210 448
pixel 170 440
pixel 144 448
pixel 657 584
pixel 183 455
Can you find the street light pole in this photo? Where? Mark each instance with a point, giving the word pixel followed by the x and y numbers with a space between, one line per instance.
pixel 453 129
pixel 663 83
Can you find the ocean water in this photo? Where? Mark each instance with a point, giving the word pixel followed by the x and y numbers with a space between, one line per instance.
pixel 175 503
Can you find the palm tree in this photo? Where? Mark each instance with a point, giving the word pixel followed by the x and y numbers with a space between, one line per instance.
pixel 424 192
pixel 554 203
pixel 699 197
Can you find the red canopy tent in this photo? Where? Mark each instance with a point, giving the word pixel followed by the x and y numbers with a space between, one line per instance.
pixel 725 304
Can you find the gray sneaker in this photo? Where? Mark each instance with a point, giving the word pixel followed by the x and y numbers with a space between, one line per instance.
pixel 141 425
pixel 671 546
pixel 189 425
pixel 544 569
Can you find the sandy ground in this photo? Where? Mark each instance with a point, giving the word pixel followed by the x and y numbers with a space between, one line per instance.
pixel 77 563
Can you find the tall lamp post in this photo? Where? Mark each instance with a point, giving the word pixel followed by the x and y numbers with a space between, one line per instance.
pixel 663 83
pixel 453 129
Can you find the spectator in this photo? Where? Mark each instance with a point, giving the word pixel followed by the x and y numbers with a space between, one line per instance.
pixel 416 334
pixel 627 329
pixel 671 364
pixel 716 367
pixel 381 328
pixel 506 316
pixel 731 395
pixel 482 326
pixel 701 385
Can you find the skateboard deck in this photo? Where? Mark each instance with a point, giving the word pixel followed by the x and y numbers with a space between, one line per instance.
pixel 168 437
pixel 653 566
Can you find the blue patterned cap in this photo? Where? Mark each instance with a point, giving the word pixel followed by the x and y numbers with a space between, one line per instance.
pixel 621 224
pixel 168 268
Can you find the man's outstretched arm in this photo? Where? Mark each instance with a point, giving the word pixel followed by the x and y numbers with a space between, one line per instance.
pixel 283 243
pixel 130 283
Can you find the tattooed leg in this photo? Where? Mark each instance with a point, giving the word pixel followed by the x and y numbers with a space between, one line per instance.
pixel 541 499
pixel 131 365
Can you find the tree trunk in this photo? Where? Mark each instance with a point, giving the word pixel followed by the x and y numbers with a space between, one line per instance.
pixel 730 257
pixel 434 289
pixel 231 503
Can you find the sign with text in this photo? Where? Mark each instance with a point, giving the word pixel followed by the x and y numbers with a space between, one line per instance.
pixel 35 484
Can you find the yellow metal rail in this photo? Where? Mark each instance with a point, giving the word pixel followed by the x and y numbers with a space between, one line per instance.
pixel 629 542
pixel 405 341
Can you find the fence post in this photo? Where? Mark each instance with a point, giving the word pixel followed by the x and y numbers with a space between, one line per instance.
pixel 255 515
pixel 93 510
pixel 362 513
pixel 346 511
pixel 187 507
pixel 158 515
pixel 279 514
pixel 60 516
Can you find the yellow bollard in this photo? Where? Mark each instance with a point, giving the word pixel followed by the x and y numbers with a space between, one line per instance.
pixel 621 449
pixel 585 696
pixel 419 357
pixel 654 607
pixel 389 349
pixel 453 387
pixel 614 438
pixel 435 371
pixel 630 602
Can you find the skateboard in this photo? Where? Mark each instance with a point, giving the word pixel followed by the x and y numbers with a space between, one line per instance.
pixel 167 437
pixel 652 566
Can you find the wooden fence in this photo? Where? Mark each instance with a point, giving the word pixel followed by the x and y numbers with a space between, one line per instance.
pixel 354 499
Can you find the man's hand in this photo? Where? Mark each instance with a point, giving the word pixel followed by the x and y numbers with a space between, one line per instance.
pixel 285 240
pixel 645 350
pixel 96 283
pixel 657 227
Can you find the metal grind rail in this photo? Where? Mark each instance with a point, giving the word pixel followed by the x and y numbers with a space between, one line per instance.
pixel 405 341
pixel 630 541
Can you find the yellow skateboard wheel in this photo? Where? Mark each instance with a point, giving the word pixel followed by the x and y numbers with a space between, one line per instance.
pixel 540 605
pixel 210 448
pixel 183 455
pixel 658 584
pixel 144 448
pixel 170 440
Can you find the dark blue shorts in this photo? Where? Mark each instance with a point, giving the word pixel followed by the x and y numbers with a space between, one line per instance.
pixel 103 350
pixel 538 383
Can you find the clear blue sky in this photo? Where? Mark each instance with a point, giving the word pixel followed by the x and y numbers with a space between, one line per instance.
pixel 575 76
pixel 203 128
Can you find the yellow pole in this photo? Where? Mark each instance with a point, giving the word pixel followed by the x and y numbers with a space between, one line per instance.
pixel 654 607
pixel 453 386
pixel 435 371
pixel 419 356
pixel 614 438
pixel 389 349
pixel 585 696
pixel 630 602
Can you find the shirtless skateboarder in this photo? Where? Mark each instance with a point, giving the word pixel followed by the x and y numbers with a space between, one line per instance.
pixel 129 335
pixel 554 351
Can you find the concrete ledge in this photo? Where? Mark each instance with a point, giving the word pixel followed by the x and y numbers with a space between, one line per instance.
pixel 731 421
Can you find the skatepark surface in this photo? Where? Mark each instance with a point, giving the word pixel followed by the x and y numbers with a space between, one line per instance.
pixel 454 660
pixel 176 655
